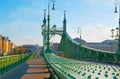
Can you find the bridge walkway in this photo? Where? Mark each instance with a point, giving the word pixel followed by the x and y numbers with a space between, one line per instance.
pixel 33 69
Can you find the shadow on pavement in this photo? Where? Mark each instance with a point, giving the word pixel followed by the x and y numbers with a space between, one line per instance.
pixel 36 72
pixel 16 73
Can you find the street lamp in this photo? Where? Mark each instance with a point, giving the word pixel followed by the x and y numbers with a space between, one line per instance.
pixel 117 3
pixel 116 34
pixel 46 28
pixel 113 31
pixel 43 27
pixel 54 28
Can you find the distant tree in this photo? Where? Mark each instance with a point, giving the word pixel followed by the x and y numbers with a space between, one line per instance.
pixel 22 50
pixel 19 50
pixel 16 50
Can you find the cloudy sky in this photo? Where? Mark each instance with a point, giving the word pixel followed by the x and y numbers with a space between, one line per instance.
pixel 21 20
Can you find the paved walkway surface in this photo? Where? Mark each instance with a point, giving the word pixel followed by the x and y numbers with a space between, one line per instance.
pixel 33 69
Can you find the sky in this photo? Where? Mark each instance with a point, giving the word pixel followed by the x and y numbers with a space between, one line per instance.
pixel 21 20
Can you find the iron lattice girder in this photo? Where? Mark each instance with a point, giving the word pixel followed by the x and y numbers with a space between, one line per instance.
pixel 69 47
pixel 52 33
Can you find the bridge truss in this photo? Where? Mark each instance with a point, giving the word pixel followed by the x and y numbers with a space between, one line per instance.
pixel 79 62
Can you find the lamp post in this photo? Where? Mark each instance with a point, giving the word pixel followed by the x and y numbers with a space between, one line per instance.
pixel 113 31
pixel 48 50
pixel 117 4
pixel 118 28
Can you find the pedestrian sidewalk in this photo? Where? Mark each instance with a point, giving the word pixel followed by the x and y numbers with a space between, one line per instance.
pixel 37 70
pixel 33 69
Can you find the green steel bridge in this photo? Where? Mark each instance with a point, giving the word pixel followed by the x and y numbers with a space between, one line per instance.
pixel 79 61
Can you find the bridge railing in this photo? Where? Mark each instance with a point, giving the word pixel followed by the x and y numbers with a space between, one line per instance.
pixel 9 62
pixel 63 68
pixel 54 64
pixel 74 50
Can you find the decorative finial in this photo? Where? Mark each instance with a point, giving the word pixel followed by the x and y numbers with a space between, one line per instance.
pixel 64 17
pixel 64 21
pixel 44 13
pixel 64 14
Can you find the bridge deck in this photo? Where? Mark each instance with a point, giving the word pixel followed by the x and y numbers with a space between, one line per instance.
pixel 33 69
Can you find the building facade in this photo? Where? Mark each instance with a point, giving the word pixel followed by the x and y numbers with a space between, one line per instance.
pixel 0 44
pixel 6 46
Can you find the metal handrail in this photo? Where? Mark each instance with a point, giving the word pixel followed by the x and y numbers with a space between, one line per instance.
pixel 7 63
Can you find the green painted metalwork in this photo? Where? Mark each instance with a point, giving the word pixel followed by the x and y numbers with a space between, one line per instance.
pixel 82 67
pixel 66 68
pixel 46 32
pixel 7 63
pixel 63 68
pixel 74 50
